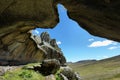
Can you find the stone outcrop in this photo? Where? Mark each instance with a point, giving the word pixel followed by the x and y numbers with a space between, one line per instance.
pixel 17 48
pixel 26 50
pixel 17 17
pixel 49 66
pixel 48 46
pixel 66 73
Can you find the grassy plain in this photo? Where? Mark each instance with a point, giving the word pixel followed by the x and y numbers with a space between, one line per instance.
pixel 107 69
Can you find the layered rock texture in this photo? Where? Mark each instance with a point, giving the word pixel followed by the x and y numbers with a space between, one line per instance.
pixel 44 48
pixel 48 47
pixel 17 17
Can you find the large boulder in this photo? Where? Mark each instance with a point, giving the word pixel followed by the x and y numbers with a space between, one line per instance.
pixel 49 66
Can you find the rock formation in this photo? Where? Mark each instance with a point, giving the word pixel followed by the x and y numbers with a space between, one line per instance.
pixel 66 73
pixel 48 46
pixel 44 48
pixel 48 67
pixel 31 12
pixel 54 60
pixel 100 18
pixel 17 17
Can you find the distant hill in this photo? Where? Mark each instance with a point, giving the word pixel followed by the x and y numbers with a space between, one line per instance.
pixel 106 69
pixel 86 61
pixel 115 58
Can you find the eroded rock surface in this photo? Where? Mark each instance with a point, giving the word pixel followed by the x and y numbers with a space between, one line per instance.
pixel 48 46
pixel 49 66
pixel 17 48
pixel 31 12
pixel 17 17
pixel 66 73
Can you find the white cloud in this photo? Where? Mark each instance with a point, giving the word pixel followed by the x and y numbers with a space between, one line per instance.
pixel 36 31
pixel 113 47
pixel 91 39
pixel 115 43
pixel 58 42
pixel 101 43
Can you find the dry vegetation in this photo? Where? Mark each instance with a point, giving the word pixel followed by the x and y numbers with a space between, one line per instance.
pixel 107 69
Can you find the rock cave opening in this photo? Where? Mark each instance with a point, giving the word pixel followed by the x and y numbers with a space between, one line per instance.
pixel 17 48
pixel 19 35
pixel 76 43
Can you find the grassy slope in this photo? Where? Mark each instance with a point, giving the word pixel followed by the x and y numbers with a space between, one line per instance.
pixel 22 74
pixel 26 73
pixel 108 69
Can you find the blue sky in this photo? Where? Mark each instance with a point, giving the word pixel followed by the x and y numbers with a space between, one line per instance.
pixel 76 43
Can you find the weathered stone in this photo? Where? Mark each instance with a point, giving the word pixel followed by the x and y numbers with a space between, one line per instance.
pixel 69 73
pixel 77 76
pixel 19 49
pixel 49 47
pixel 50 77
pixel 63 77
pixel 37 12
pixel 53 43
pixel 45 37
pixel 15 20
pixel 49 66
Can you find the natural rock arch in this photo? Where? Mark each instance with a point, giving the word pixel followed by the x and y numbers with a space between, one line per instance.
pixel 100 18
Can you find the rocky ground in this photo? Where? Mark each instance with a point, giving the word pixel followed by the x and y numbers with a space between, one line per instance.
pixel 4 69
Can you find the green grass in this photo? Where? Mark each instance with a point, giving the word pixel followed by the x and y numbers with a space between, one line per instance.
pixel 26 73
pixel 31 65
pixel 23 74
pixel 57 75
pixel 108 69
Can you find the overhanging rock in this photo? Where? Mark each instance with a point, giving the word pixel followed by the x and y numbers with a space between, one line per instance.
pixel 17 17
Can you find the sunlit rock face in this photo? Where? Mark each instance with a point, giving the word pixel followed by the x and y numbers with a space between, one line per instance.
pixel 48 46
pixel 17 17
pixel 16 48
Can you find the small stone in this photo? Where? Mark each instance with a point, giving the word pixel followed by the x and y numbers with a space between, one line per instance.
pixel 50 77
